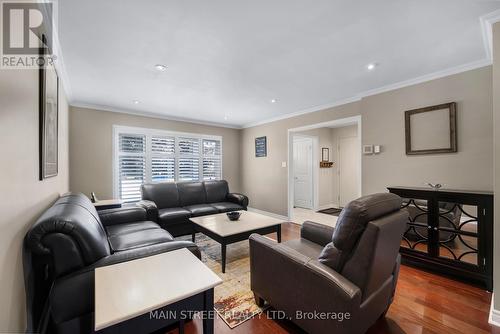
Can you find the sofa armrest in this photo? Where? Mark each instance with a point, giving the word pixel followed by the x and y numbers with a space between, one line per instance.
pixel 318 233
pixel 277 271
pixel 238 199
pixel 122 215
pixel 151 209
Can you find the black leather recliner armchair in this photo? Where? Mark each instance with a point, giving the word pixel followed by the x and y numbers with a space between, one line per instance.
pixel 171 204
pixel 66 244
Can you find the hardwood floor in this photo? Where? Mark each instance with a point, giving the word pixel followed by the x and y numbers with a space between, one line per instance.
pixel 424 303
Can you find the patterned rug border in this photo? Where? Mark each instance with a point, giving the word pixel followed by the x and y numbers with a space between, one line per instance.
pixel 228 305
pixel 262 310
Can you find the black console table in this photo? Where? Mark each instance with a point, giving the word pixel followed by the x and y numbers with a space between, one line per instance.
pixel 449 232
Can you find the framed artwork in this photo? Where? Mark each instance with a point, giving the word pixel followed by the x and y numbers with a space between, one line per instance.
pixel 261 147
pixel 431 130
pixel 48 121
pixel 325 154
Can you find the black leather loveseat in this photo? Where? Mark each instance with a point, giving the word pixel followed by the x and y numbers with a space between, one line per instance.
pixel 171 204
pixel 66 244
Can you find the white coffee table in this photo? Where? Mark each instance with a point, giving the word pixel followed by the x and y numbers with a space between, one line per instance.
pixel 219 228
pixel 171 284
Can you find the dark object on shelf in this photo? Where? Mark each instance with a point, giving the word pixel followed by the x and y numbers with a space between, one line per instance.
pixel 416 130
pixel 66 244
pixel 171 204
pixel 449 232
pixel 93 197
pixel 355 269
pixel 233 215
pixel 261 147
pixel 107 204
pixel 331 211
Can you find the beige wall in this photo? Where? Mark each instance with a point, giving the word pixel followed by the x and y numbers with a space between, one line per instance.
pixel 265 181
pixel 496 125
pixel 24 196
pixel 91 147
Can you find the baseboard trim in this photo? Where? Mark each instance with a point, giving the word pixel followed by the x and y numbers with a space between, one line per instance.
pixel 270 214
pixel 494 317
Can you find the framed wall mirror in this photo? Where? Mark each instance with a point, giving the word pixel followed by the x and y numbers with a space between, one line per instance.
pixel 431 130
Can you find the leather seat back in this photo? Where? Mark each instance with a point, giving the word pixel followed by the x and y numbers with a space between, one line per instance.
pixel 191 193
pixel 216 191
pixel 352 223
pixel 374 256
pixel 164 194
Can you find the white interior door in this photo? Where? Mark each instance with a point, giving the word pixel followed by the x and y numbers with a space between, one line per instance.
pixel 303 172
pixel 348 170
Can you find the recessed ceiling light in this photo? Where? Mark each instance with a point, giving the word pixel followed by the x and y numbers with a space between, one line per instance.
pixel 274 101
pixel 160 67
pixel 371 66
pixel 136 101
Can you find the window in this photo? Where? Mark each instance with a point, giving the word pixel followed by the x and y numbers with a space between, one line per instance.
pixel 145 155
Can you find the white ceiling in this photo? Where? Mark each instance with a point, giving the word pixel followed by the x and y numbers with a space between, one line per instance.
pixel 231 57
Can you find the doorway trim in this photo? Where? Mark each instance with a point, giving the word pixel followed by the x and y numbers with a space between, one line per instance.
pixel 315 170
pixel 354 120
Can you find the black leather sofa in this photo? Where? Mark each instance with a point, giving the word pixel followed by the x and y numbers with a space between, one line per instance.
pixel 171 204
pixel 66 244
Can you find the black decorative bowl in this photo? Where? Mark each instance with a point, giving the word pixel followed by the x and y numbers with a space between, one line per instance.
pixel 234 215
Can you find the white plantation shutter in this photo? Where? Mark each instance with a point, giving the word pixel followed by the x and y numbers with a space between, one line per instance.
pixel 143 155
pixel 162 159
pixel 131 166
pixel 189 159
pixel 211 159
pixel 189 169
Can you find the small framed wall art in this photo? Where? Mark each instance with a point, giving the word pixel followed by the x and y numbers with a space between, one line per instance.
pixel 261 147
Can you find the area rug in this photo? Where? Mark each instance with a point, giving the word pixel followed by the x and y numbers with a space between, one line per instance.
pixel 233 299
pixel 331 211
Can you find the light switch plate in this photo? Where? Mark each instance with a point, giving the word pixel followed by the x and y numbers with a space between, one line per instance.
pixel 283 164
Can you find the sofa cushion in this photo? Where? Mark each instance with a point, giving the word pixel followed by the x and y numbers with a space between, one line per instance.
pixel 142 238
pixel 201 210
pixel 130 227
pixel 226 206
pixel 216 191
pixel 164 194
pixel 173 215
pixel 191 193
pixel 351 224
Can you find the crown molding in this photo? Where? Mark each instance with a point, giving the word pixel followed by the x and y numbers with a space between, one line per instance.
pixel 383 89
pixel 487 22
pixel 150 115
pixel 303 112
pixel 429 77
